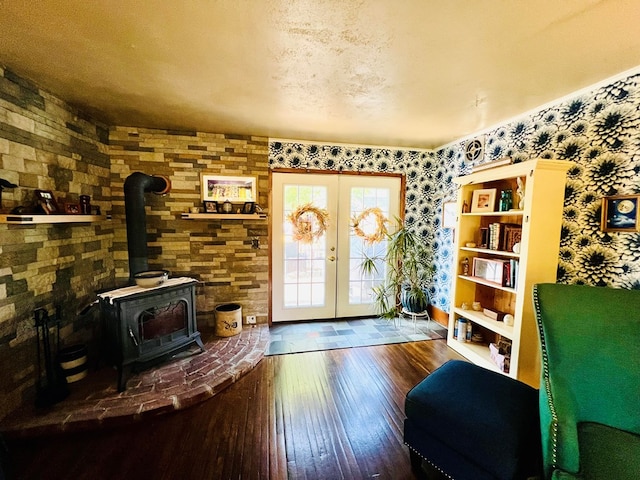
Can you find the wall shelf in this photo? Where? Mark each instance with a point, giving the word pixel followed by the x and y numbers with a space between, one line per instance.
pixel 224 216
pixel 33 219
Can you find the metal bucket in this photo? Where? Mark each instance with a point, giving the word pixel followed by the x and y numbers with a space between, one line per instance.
pixel 228 320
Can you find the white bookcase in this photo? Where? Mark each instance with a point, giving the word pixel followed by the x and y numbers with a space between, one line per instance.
pixel 540 220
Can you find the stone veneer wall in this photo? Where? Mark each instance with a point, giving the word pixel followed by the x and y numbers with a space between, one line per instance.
pixel 46 144
pixel 217 252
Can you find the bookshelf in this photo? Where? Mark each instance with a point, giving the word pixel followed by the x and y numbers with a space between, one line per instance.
pixel 537 228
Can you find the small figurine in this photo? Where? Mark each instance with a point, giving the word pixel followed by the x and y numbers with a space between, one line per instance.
pixel 520 193
pixel 465 266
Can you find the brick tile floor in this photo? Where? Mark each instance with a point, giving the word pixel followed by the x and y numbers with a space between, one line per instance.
pixel 176 384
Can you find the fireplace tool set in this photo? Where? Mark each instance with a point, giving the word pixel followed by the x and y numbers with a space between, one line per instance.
pixel 53 388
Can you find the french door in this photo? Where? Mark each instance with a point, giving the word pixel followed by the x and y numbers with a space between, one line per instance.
pixel 317 252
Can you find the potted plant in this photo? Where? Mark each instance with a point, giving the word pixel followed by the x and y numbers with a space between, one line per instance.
pixel 408 271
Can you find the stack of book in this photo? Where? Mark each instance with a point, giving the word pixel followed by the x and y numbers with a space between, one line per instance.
pixel 502 236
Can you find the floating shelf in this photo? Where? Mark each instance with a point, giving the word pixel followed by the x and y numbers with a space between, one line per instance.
pixel 224 216
pixel 32 219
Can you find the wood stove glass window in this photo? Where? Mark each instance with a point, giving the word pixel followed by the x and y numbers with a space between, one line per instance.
pixel 157 322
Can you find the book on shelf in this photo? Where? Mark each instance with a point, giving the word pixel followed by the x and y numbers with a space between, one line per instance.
pixel 503 236
pixel 495 163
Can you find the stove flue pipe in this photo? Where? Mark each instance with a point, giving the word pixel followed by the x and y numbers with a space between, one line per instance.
pixel 135 186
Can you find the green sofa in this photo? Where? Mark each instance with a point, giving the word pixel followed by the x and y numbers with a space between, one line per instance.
pixel 590 383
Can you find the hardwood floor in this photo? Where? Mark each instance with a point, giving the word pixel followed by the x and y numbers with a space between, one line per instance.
pixel 320 415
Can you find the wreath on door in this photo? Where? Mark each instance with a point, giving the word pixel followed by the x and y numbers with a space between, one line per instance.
pixel 309 222
pixel 380 231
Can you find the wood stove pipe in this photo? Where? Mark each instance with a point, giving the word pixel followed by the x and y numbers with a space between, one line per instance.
pixel 135 186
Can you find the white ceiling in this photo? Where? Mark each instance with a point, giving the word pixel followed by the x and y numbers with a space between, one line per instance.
pixel 406 73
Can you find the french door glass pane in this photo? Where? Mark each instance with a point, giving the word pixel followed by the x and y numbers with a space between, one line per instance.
pixel 360 284
pixel 304 263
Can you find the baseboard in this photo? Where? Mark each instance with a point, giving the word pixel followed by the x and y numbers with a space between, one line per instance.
pixel 440 316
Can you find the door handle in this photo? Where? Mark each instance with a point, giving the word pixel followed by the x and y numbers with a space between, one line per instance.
pixel 331 258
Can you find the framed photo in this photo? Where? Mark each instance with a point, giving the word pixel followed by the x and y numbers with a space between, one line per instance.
pixel 248 207
pixel 449 214
pixel 72 208
pixel 210 207
pixel 620 213
pixel 483 200
pixel 216 188
pixel 489 270
pixel 47 201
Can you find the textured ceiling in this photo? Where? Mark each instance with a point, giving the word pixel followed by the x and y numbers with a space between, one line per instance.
pixel 406 73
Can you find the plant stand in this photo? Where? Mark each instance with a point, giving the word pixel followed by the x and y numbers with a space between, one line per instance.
pixel 414 317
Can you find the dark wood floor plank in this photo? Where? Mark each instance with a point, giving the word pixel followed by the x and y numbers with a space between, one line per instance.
pixel 318 415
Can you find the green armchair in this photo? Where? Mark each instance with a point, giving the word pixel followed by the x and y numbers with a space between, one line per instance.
pixel 590 384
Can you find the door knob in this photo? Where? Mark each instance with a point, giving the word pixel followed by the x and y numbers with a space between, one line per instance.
pixel 332 258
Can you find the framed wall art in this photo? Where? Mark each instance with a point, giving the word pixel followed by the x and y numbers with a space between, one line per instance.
pixel 449 214
pixel 219 188
pixel 483 200
pixel 620 213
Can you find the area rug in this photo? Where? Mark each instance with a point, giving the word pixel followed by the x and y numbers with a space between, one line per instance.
pixel 330 335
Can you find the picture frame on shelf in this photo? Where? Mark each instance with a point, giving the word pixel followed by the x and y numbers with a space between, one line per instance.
pixel 512 236
pixel 489 270
pixel 72 209
pixel 210 207
pixel 620 213
pixel 248 207
pixel 47 202
pixel 483 200
pixel 449 214
pixel 219 188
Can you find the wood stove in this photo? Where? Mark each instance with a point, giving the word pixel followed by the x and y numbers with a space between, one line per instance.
pixel 144 326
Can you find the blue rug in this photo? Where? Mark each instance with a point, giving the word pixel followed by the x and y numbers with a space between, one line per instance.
pixel 330 335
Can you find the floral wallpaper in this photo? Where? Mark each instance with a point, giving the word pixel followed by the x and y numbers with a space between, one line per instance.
pixel 598 131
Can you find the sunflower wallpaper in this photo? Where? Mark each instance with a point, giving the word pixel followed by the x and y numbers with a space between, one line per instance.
pixel 599 131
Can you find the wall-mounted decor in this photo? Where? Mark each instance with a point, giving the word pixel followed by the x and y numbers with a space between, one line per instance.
pixel 218 188
pixel 483 200
pixel 620 213
pixel 47 201
pixel 449 214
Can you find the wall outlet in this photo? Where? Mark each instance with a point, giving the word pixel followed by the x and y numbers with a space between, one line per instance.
pixel 251 319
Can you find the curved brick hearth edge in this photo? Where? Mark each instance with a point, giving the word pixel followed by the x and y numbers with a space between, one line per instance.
pixel 94 402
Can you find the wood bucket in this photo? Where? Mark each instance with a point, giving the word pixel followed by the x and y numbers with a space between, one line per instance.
pixel 228 320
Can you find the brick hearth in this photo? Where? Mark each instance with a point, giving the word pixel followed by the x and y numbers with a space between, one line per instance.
pixel 94 402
